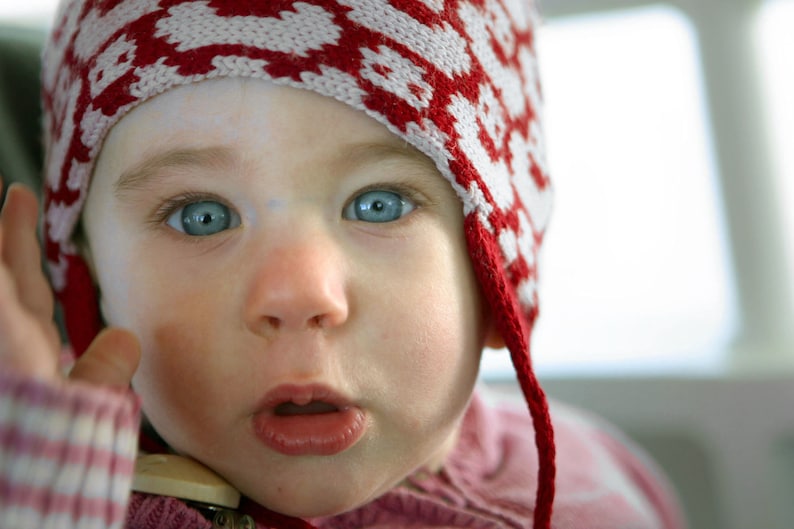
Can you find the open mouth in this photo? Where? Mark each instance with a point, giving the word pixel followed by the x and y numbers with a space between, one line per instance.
pixel 316 407
pixel 308 420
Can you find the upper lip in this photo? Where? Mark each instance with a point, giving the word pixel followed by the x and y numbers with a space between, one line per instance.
pixel 303 394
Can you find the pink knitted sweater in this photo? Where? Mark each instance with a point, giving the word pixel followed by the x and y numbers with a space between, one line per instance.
pixel 66 460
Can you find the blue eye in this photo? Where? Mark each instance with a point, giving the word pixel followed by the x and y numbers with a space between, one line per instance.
pixel 378 206
pixel 203 218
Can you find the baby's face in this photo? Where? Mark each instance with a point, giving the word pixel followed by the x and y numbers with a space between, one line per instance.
pixel 298 279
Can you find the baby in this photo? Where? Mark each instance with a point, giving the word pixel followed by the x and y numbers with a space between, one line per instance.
pixel 301 222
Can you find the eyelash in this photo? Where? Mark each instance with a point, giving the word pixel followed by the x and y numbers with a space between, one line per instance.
pixel 167 208
pixel 406 191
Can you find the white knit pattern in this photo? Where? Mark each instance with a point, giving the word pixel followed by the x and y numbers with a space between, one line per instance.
pixel 467 84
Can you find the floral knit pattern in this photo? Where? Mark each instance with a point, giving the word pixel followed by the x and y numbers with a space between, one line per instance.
pixel 456 79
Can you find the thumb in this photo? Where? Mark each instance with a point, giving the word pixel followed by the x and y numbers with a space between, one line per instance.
pixel 110 360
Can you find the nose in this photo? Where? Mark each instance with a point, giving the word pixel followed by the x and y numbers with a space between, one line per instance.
pixel 298 285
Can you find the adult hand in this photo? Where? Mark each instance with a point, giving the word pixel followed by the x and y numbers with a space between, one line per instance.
pixel 29 341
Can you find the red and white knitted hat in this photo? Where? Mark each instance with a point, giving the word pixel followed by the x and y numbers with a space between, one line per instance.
pixel 457 79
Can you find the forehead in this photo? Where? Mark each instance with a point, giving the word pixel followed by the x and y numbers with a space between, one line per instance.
pixel 217 106
pixel 227 122
pixel 243 112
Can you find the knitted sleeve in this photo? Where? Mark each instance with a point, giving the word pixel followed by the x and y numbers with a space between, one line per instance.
pixel 66 454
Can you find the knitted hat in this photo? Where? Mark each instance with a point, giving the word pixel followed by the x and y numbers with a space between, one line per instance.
pixel 457 79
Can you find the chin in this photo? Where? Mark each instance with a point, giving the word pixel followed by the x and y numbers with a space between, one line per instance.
pixel 327 500
pixel 318 507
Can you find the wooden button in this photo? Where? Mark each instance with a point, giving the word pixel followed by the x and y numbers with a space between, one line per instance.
pixel 182 477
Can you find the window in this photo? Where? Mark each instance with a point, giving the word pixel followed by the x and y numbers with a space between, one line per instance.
pixel 776 46
pixel 634 271
pixel 30 12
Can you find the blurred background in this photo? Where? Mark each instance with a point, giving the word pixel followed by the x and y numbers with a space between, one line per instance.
pixel 667 279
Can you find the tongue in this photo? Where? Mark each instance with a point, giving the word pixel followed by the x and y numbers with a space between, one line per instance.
pixel 313 408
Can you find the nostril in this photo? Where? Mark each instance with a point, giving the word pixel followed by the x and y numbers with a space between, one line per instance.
pixel 274 322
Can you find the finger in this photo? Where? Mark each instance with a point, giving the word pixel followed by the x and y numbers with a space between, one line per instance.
pixel 2 207
pixel 22 255
pixel 27 344
pixel 110 360
pixel 23 345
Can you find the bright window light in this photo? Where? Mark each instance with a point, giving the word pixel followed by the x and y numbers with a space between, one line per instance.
pixel 28 11
pixel 634 270
pixel 777 49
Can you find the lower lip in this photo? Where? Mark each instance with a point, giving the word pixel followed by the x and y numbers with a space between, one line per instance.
pixel 322 434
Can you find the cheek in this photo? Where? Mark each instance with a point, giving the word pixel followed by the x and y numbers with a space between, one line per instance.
pixel 133 274
pixel 172 356
pixel 435 330
pixel 181 329
pixel 169 374
pixel 185 378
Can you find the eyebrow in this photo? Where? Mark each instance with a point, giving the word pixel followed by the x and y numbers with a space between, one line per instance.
pixel 369 152
pixel 146 173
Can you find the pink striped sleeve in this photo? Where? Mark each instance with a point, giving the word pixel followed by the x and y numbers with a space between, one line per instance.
pixel 66 454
